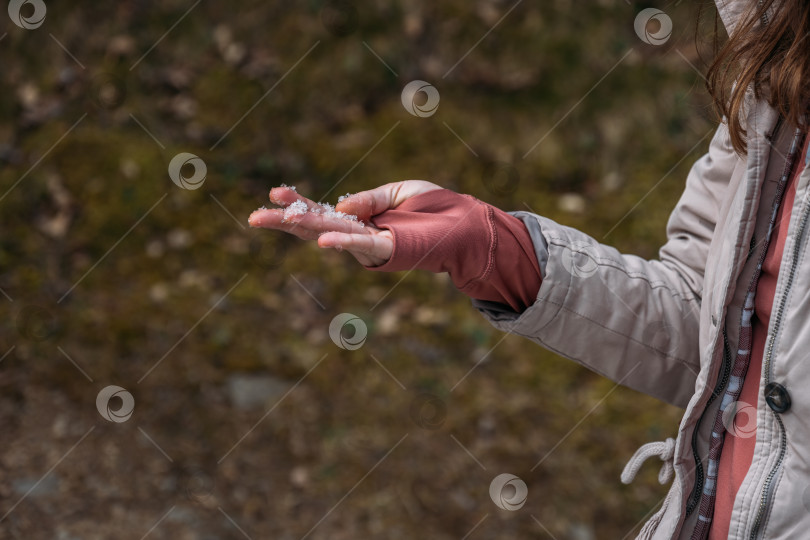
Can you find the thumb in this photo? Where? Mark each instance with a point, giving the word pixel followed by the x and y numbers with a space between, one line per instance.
pixel 366 204
pixel 368 249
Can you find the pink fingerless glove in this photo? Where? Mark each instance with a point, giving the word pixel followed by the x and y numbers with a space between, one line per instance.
pixel 487 252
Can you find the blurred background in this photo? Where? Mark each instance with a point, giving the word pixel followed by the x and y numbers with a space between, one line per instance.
pixel 249 420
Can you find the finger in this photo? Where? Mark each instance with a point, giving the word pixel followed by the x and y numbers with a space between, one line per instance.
pixel 370 249
pixel 306 225
pixel 355 246
pixel 274 219
pixel 285 196
pixel 374 201
pixel 319 222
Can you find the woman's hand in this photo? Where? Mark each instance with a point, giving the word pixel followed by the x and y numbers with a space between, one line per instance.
pixel 368 244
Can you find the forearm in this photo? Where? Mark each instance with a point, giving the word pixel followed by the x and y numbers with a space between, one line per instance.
pixel 632 320
pixel 487 252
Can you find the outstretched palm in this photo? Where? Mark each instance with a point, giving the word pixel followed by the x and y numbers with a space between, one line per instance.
pixel 370 245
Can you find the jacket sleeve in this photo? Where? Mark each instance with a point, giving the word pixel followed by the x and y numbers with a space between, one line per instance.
pixel 632 320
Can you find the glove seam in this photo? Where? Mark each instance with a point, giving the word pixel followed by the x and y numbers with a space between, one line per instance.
pixel 489 265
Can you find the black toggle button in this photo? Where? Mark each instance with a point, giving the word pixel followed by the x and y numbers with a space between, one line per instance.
pixel 777 397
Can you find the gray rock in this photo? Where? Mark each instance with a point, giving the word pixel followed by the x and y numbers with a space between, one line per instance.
pixel 581 531
pixel 255 391
pixel 48 486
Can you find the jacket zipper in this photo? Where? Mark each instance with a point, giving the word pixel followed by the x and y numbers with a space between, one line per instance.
pixel 720 387
pixel 694 499
pixel 768 486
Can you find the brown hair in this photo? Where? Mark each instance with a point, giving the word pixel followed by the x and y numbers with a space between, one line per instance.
pixel 768 51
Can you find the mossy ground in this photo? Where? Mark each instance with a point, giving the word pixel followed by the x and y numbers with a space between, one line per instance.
pixel 137 294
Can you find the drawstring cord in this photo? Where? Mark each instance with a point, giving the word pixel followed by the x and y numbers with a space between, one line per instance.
pixel 664 450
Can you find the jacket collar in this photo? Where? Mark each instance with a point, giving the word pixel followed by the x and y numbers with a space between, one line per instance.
pixel 732 11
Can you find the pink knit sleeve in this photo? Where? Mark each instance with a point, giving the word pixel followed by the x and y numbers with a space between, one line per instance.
pixel 487 252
